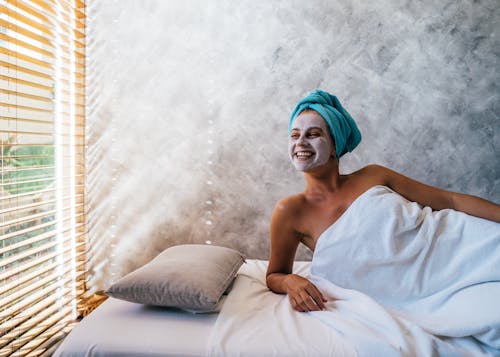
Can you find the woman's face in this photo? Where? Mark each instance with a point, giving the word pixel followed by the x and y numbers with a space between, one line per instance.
pixel 310 143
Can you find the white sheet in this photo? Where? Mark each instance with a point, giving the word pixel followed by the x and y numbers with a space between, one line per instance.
pixel 257 322
pixel 121 328
pixel 436 270
pixel 377 331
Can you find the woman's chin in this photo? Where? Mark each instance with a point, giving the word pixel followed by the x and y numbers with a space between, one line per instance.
pixel 304 166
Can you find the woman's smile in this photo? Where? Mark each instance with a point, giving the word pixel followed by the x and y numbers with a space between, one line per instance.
pixel 310 142
pixel 304 155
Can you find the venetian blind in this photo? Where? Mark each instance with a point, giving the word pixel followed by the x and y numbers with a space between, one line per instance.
pixel 42 60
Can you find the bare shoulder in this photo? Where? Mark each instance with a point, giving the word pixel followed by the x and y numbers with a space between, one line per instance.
pixel 368 176
pixel 380 175
pixel 407 187
pixel 286 214
pixel 375 171
pixel 290 205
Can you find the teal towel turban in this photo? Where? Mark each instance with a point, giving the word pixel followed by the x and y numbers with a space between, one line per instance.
pixel 344 131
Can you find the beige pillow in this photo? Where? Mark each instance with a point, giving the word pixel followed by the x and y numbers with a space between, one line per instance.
pixel 190 276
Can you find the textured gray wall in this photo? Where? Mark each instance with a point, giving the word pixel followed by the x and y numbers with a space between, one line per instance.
pixel 188 105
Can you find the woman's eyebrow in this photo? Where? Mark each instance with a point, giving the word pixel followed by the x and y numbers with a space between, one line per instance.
pixel 309 128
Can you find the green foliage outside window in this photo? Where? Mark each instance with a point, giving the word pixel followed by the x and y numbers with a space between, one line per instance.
pixel 27 168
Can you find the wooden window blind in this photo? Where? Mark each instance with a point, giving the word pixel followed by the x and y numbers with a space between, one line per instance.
pixel 42 146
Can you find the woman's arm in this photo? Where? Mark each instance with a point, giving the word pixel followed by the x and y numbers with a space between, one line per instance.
pixel 303 295
pixel 434 197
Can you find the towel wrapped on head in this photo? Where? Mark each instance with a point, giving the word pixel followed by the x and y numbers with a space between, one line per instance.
pixel 343 129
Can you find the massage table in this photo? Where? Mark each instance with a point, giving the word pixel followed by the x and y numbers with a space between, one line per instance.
pixel 252 322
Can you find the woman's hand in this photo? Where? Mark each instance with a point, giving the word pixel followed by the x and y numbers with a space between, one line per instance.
pixel 304 295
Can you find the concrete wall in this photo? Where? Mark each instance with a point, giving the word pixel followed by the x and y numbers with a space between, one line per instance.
pixel 188 105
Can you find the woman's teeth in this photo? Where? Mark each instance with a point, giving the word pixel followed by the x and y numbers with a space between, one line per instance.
pixel 303 154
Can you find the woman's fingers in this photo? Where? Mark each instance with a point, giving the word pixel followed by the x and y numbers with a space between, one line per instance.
pixel 303 303
pixel 310 299
pixel 319 299
pixel 309 303
pixel 295 304
pixel 304 295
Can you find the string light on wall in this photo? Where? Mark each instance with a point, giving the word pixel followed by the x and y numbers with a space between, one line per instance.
pixel 114 153
pixel 113 266
pixel 113 203
pixel 208 216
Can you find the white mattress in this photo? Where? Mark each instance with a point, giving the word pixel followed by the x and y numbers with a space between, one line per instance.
pixel 121 328
pixel 255 322
pixel 266 326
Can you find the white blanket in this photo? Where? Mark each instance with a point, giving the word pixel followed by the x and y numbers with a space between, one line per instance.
pixel 439 271
pixel 255 322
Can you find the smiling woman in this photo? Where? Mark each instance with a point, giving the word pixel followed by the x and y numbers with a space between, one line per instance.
pixel 318 125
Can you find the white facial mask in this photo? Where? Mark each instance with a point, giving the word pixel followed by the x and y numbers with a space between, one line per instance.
pixel 310 143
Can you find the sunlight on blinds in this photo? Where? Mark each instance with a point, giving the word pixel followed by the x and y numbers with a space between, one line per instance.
pixel 42 217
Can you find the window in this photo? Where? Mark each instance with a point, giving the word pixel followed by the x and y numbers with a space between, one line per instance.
pixel 42 217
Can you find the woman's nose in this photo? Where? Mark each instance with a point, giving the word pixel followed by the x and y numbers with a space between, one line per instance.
pixel 301 140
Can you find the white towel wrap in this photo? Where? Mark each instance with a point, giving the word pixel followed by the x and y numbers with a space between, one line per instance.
pixel 438 269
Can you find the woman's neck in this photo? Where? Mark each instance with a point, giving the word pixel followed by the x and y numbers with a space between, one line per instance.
pixel 324 179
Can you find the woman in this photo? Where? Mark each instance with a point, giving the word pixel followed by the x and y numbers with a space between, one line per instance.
pixel 321 131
